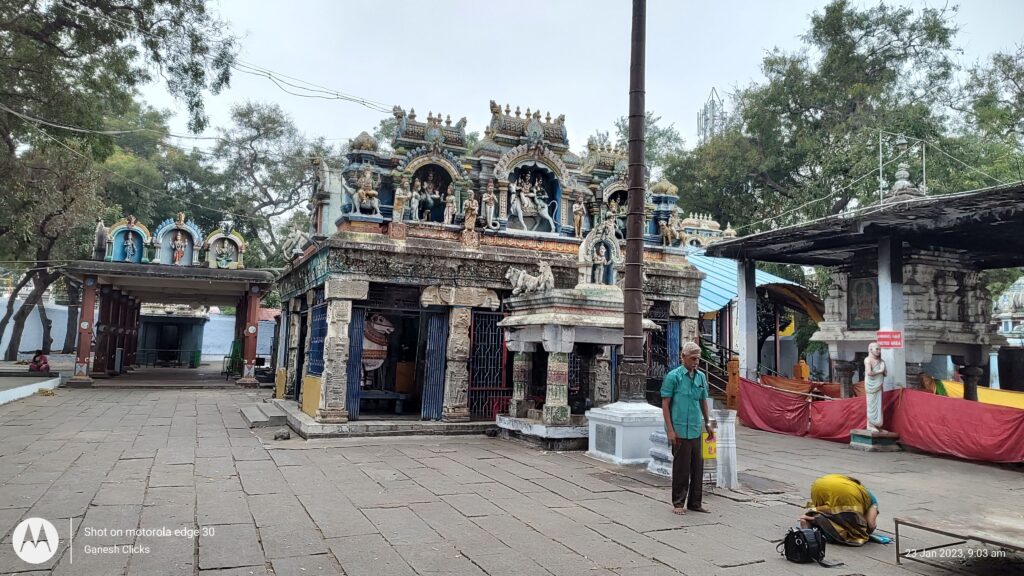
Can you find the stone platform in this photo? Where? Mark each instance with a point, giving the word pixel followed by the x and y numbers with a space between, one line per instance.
pixel 871 441
pixel 559 438
pixel 308 427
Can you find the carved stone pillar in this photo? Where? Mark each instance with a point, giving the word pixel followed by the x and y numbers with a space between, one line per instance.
pixel 502 200
pixel 971 375
pixel 292 360
pixel 556 400
pixel 601 377
pixel 844 371
pixel 456 381
pixel 522 368
pixel 334 380
pixel 914 370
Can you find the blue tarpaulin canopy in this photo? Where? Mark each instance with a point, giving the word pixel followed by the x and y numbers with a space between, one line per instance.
pixel 719 286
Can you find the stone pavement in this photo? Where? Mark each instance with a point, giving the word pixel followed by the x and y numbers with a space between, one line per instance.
pixel 219 500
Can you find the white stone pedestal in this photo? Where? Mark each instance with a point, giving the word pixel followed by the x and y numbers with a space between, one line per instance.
pixel 620 432
pixel 725 433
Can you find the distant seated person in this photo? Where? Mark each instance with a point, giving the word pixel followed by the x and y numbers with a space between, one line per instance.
pixel 843 509
pixel 930 384
pixel 39 363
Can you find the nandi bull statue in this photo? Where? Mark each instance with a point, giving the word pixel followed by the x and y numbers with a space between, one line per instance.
pixel 523 283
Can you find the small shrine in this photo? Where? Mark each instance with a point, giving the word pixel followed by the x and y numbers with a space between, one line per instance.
pixel 128 241
pixel 225 247
pixel 545 325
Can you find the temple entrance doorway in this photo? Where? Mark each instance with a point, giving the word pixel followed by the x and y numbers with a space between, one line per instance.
pixel 397 356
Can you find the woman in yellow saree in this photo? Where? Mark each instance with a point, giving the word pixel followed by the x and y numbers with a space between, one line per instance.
pixel 842 508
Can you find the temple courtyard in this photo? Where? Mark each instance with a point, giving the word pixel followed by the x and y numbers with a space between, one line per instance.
pixel 165 481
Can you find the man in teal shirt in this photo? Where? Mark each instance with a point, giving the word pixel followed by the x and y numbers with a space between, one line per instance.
pixel 683 395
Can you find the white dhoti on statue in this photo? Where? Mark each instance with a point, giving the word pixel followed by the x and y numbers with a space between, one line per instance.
pixel 873 391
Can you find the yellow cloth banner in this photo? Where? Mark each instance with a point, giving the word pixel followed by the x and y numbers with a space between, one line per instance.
pixel 708 449
pixel 1008 398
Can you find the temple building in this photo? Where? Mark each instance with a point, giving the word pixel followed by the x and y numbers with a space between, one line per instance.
pixel 398 302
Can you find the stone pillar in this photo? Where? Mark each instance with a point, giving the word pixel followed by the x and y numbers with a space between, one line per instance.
pixel 456 381
pixel 99 365
pixel 891 307
pixel 250 331
pixel 334 381
pixel 522 369
pixel 845 371
pixel 132 337
pixel 292 360
pixel 600 367
pixel 746 344
pixel 116 333
pixel 339 294
pixel 556 400
pixel 502 200
pixel 971 375
pixel 86 323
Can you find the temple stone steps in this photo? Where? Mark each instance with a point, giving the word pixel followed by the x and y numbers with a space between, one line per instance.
pixel 264 414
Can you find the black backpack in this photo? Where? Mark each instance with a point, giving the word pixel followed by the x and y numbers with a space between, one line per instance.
pixel 803 545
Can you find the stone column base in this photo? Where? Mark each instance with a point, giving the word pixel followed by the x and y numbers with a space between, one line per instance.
pixel 247 382
pixel 332 415
pixel 455 414
pixel 555 415
pixel 79 382
pixel 517 408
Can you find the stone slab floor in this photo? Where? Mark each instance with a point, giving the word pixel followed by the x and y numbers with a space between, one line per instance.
pixel 217 499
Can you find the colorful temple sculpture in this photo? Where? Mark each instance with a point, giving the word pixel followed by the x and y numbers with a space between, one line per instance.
pixel 399 297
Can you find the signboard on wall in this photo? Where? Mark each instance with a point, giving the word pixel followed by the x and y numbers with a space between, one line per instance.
pixel 890 339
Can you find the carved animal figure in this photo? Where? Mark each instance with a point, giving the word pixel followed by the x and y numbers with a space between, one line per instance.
pixel 668 234
pixel 523 283
pixel 375 341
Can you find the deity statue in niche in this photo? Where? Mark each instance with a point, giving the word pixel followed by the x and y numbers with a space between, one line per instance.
pixel 366 195
pixel 430 186
pixel 449 205
pixel 516 206
pixel 540 198
pixel 578 211
pixel 601 267
pixel 414 199
pixel 401 196
pixel 469 210
pixel 225 254
pixel 129 247
pixel 178 246
pixel 490 200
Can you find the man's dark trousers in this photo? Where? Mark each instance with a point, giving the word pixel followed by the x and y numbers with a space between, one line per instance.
pixel 687 473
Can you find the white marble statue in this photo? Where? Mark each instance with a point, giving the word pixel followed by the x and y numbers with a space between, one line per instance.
pixel 490 200
pixel 874 374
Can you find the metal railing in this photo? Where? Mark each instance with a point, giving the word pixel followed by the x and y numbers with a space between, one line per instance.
pixel 722 355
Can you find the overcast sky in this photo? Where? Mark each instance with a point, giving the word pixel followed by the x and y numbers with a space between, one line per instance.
pixel 564 56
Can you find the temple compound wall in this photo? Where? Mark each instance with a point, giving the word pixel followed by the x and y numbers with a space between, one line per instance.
pixel 391 300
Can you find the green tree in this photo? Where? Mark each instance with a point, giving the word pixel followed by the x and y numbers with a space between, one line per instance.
pixel 804 143
pixel 995 96
pixel 267 175
pixel 661 141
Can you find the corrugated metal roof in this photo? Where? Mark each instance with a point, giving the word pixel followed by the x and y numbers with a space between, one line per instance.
pixel 719 285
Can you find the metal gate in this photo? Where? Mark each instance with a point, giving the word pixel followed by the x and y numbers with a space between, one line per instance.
pixel 432 399
pixel 354 370
pixel 489 390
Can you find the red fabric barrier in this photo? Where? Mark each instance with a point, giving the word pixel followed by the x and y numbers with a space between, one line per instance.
pixel 960 428
pixel 772 410
pixel 833 419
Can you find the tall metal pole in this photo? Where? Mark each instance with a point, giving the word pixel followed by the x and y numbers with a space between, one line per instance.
pixel 633 370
